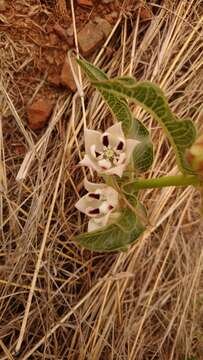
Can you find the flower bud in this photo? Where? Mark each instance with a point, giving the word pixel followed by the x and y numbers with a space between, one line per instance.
pixel 195 155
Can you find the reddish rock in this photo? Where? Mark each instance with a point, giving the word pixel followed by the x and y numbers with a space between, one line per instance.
pixel 85 2
pixel 104 26
pixel 54 78
pixel 89 38
pixel 38 113
pixel 67 78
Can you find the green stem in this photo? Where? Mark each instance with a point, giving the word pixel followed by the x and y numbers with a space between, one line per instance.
pixel 179 180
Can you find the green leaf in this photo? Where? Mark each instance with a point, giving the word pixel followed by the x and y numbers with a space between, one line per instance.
pixel 181 134
pixel 139 131
pixel 143 156
pixel 114 237
pixel 118 106
pixel 92 72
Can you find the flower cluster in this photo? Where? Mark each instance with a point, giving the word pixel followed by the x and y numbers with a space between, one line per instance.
pixel 107 154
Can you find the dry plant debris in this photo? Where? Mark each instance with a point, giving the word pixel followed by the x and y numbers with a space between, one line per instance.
pixel 58 301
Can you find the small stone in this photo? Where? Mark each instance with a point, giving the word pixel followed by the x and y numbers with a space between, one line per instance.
pixel 60 31
pixel 3 5
pixel 67 78
pixel 85 2
pixel 38 113
pixel 89 38
pixel 104 26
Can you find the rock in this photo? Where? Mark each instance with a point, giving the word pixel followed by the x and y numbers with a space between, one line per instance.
pixel 85 2
pixel 67 78
pixel 89 38
pixel 104 26
pixel 38 113
pixel 60 31
pixel 3 5
pixel 54 79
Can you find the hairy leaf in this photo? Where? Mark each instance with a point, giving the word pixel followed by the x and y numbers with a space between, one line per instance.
pixel 143 156
pixel 117 105
pixel 181 134
pixel 115 237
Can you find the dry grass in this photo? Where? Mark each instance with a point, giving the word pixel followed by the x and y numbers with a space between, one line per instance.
pixel 58 301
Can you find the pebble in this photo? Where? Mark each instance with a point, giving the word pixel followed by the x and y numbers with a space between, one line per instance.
pixel 89 38
pixel 38 113
pixel 104 26
pixel 67 78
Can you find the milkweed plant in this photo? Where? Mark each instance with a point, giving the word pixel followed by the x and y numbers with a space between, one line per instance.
pixel 124 151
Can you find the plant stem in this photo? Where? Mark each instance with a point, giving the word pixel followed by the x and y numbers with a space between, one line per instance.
pixel 178 180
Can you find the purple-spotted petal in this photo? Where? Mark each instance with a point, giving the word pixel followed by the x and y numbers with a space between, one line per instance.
pixel 82 205
pixel 105 139
pixel 121 145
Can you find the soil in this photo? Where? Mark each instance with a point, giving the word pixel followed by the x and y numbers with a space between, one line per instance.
pixel 42 32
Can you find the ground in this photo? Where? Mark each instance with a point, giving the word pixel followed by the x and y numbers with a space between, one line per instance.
pixel 57 300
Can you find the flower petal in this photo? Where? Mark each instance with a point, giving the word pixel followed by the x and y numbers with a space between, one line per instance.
pixel 97 224
pixel 83 205
pixel 92 137
pixel 116 131
pixel 91 187
pixel 92 226
pixel 111 196
pixel 105 164
pixel 87 161
pixel 130 145
pixel 117 170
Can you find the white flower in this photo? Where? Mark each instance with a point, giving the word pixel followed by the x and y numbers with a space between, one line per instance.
pixel 108 153
pixel 100 204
